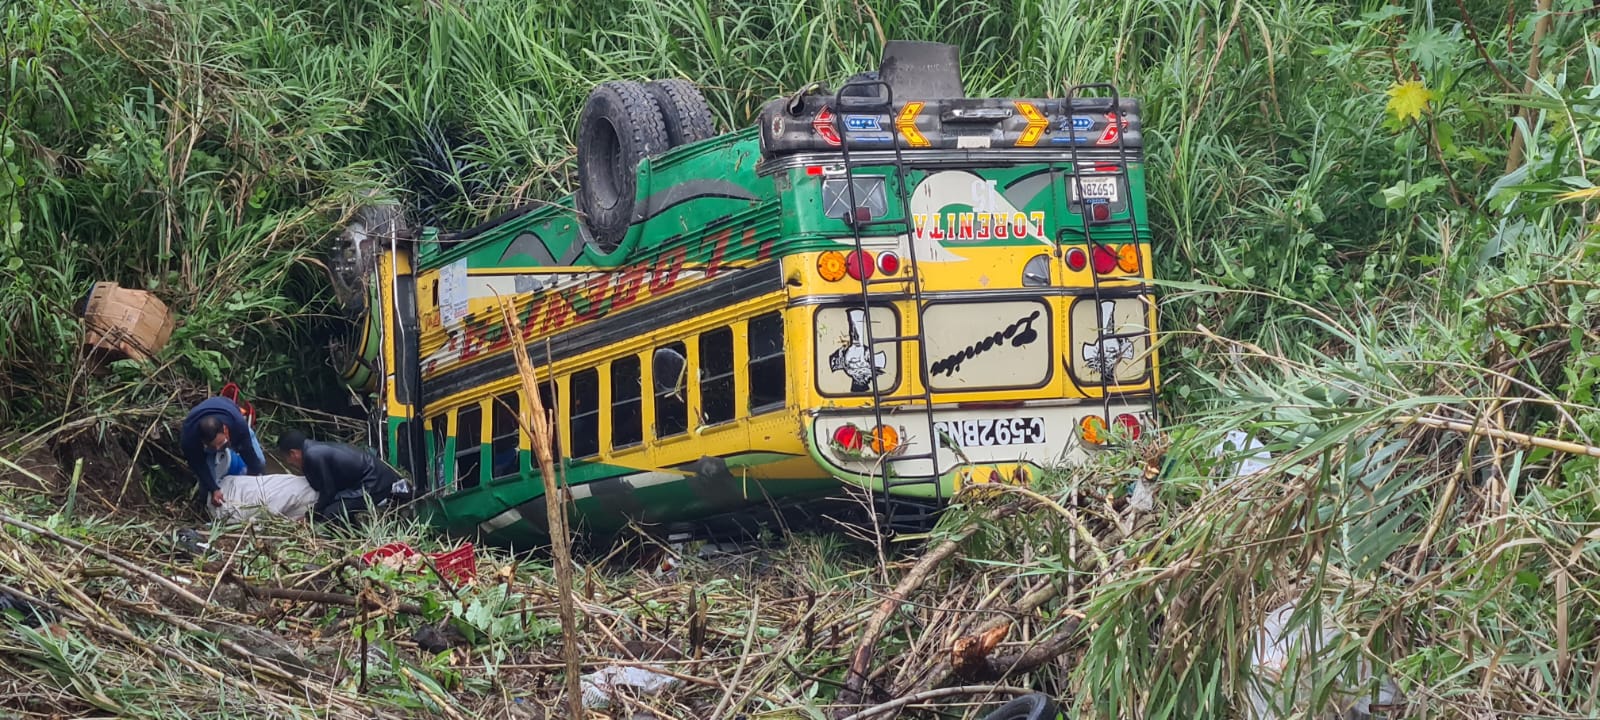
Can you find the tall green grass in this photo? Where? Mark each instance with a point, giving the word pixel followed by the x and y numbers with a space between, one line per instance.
pixel 1327 264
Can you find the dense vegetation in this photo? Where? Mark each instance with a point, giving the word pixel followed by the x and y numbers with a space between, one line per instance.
pixel 1372 217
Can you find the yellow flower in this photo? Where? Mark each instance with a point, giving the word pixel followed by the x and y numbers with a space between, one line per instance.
pixel 1408 100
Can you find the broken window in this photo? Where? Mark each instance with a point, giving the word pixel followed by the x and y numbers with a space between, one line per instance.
pixel 767 377
pixel 504 454
pixel 547 400
pixel 627 407
pixel 469 438
pixel 441 435
pixel 716 376
pixel 584 432
pixel 669 370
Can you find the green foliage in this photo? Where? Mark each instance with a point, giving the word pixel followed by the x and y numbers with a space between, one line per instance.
pixel 1340 243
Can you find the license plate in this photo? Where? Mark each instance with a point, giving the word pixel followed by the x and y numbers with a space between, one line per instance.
pixel 987 432
pixel 1100 188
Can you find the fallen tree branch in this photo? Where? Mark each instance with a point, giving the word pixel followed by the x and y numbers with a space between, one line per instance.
pixel 171 586
pixel 931 694
pixel 1571 448
pixel 315 596
pixel 856 678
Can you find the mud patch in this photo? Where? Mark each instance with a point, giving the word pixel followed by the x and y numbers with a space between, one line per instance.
pixel 40 473
pixel 109 478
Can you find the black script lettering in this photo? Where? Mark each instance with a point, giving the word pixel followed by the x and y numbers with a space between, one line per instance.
pixel 1020 333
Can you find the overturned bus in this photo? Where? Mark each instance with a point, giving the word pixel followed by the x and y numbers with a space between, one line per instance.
pixel 891 288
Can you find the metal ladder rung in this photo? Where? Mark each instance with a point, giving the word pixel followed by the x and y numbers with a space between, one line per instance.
pixel 921 396
pixel 883 223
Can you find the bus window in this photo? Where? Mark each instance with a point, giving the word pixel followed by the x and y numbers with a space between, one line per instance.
pixel 668 372
pixel 504 456
pixel 441 433
pixel 716 376
pixel 584 434
pixel 547 400
pixel 627 409
pixel 469 438
pixel 767 377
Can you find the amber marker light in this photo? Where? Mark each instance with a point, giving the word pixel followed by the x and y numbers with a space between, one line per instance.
pixel 830 265
pixel 885 440
pixel 906 123
pixel 1128 257
pixel 1037 123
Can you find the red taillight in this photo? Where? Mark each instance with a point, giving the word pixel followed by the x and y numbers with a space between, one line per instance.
pixel 823 124
pixel 1101 212
pixel 888 263
pixel 1132 424
pixel 994 476
pixel 858 264
pixel 1105 259
pixel 1077 259
pixel 848 437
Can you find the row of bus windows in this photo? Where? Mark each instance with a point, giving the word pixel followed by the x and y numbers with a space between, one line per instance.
pixel 713 366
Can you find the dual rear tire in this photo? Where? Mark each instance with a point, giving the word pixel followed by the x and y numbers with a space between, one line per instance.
pixel 622 123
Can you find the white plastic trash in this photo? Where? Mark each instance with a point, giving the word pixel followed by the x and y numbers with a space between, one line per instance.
pixel 1235 442
pixel 600 685
pixel 1276 697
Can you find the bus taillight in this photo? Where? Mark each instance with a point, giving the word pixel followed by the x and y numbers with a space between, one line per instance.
pixel 888 263
pixel 858 264
pixel 1132 425
pixel 1077 259
pixel 1105 259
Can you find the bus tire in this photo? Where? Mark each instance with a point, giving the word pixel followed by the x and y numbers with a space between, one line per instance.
pixel 618 127
pixel 1037 706
pixel 372 229
pixel 686 113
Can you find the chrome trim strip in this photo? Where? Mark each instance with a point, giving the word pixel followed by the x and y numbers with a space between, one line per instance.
pixel 936 158
pixel 1129 290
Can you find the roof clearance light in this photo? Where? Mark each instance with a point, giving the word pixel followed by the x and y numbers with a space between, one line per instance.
pixel 1113 129
pixel 1077 259
pixel 830 265
pixel 1037 123
pixel 1105 259
pixel 906 123
pixel 858 264
pixel 1128 257
pixel 888 263
pixel 813 170
pixel 823 124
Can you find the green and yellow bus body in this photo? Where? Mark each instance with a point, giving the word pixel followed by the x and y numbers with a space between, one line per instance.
pixel 716 360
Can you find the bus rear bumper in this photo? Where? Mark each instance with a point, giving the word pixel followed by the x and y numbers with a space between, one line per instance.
pixel 1014 445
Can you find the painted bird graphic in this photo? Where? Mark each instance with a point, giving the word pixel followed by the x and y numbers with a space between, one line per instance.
pixel 857 361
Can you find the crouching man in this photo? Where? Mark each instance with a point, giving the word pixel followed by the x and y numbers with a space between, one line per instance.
pixel 345 478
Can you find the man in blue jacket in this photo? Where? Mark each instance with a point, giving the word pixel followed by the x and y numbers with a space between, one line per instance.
pixel 217 442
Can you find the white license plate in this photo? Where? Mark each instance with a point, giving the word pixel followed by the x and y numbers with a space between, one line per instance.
pixel 1101 188
pixel 986 432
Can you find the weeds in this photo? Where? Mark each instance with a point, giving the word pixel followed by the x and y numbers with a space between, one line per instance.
pixel 1395 291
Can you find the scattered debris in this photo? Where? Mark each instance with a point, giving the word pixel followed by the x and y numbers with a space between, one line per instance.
pixel 1285 648
pixel 599 687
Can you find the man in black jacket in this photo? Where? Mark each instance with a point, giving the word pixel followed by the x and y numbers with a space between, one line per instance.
pixel 345 477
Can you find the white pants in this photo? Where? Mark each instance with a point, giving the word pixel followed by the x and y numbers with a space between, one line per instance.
pixel 245 497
